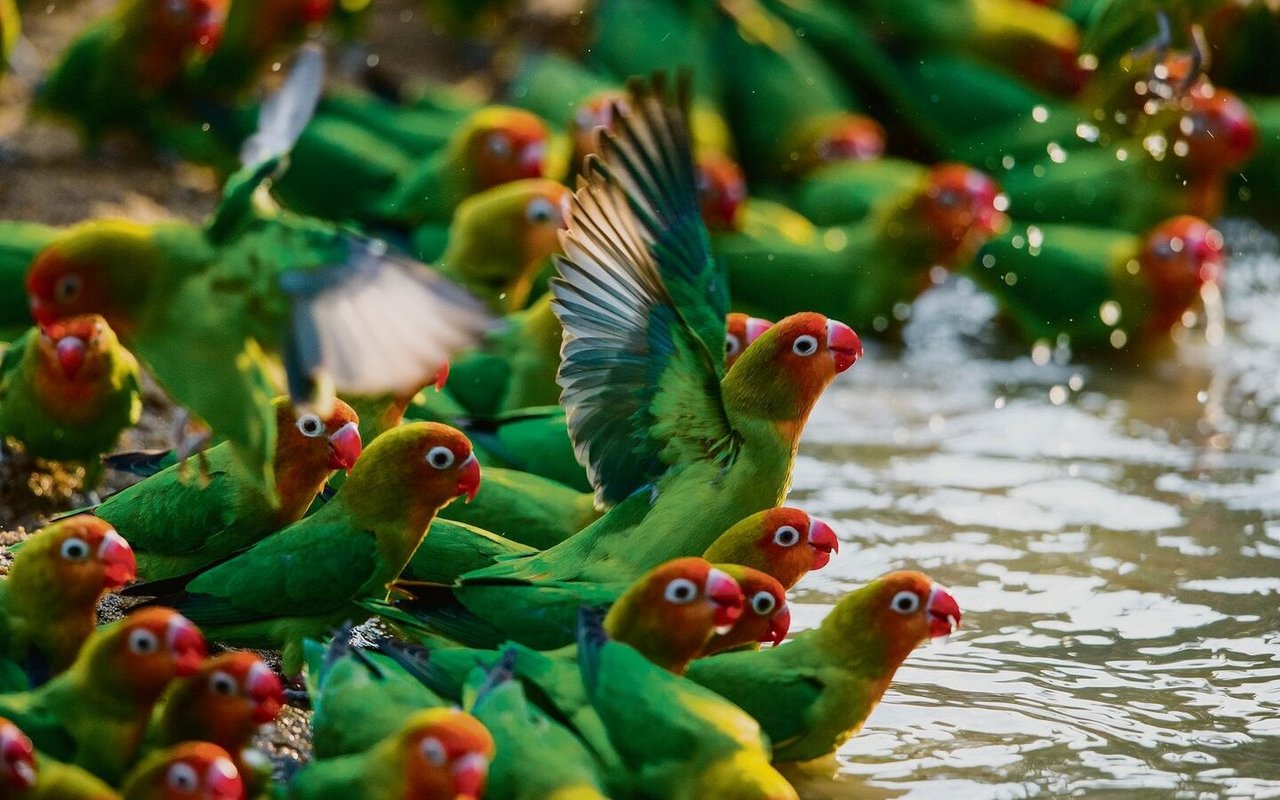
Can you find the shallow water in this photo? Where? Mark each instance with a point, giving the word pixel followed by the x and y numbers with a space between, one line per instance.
pixel 1111 531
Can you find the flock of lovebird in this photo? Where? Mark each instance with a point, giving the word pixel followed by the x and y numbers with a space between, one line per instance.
pixel 605 615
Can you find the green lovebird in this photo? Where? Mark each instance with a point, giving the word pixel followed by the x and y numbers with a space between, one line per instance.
pixel 205 308
pixel 191 769
pixel 49 602
pixel 765 614
pixel 39 777
pixel 122 72
pixel 693 744
pixel 309 577
pixel 863 272
pixel 1181 167
pixel 94 714
pixel 813 693
pixel 339 170
pixel 784 543
pixel 67 392
pixel 20 243
pixel 1098 287
pixel 419 129
pixel 178 525
pixel 437 752
pixel 669 439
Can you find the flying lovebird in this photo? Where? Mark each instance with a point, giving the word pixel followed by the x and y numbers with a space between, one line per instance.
pixel 813 693
pixel 208 309
pixel 49 602
pixel 68 390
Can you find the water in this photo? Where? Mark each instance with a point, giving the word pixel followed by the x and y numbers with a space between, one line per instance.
pixel 1112 532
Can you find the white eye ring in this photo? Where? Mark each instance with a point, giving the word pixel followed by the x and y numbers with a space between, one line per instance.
pixel 310 425
pixel 905 602
pixel 540 211
pixel 499 145
pixel 681 591
pixel 732 344
pixel 805 345
pixel 763 603
pixel 143 642
pixel 68 287
pixel 182 776
pixel 786 536
pixel 223 684
pixel 433 750
pixel 75 549
pixel 441 457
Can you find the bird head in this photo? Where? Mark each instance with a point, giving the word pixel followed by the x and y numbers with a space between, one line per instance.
pixel 88 558
pixel 228 699
pixel 963 208
pixel 198 24
pixel 305 440
pixel 834 139
pixel 765 615
pixel 148 649
pixel 446 753
pixel 505 144
pixel 741 331
pixel 1217 131
pixel 1179 257
pixel 188 771
pixel 600 110
pixel 76 349
pixel 782 542
pixel 17 760
pixel 433 461
pixel 900 611
pixel 722 189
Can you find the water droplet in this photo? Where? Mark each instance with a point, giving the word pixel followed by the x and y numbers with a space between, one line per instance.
pixel 1118 338
pixel 937 275
pixel 1076 382
pixel 1040 113
pixel 835 239
pixel 1087 132
pixel 1041 353
pixel 1035 236
pixel 1000 402
pixel 1056 154
pixel 937 422
pixel 1109 313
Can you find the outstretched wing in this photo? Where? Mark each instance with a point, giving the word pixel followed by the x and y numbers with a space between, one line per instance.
pixel 640 379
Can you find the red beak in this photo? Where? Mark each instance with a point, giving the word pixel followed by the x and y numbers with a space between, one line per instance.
pixel 823 541
pixel 531 156
pixel 944 612
pixel 442 377
pixel 186 646
pixel 469 776
pixel 844 344
pixel 19 756
pixel 71 355
pixel 344 447
pixel 223 782
pixel 755 327
pixel 779 624
pixel 725 594
pixel 119 567
pixel 267 692
pixel 469 477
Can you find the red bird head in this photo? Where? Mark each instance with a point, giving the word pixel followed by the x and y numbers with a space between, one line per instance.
pixel 227 700
pixel 434 463
pixel 963 208
pixel 722 189
pixel 77 349
pixel 600 110
pixel 791 543
pixel 196 23
pixel 1179 257
pixel 91 557
pixel 1217 131
pixel 17 760
pixel 741 331
pixel 765 616
pixel 305 441
pixel 188 771
pixel 446 754
pixel 833 140
pixel 150 648
pixel 315 11
pixel 504 145
pixel 906 609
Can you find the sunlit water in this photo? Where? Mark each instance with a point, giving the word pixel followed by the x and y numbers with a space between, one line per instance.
pixel 1112 532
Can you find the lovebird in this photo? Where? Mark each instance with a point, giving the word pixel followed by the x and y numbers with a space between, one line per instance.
pixel 26 775
pixel 124 70
pixel 765 615
pixel 437 752
pixel 94 714
pixel 253 36
pixel 813 693
pixel 208 308
pixel 187 771
pixel 49 602
pixel 226 703
pixel 68 390
pixel 1101 288
pixel 307 578
pixel 785 543
pixel 20 243
pixel 669 439
pixel 862 272
pixel 339 170
pixel 180 526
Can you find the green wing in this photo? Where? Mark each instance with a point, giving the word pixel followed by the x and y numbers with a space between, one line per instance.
pixel 779 696
pixel 637 289
pixel 311 567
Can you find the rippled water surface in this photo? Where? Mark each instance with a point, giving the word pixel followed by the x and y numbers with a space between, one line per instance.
pixel 1112 532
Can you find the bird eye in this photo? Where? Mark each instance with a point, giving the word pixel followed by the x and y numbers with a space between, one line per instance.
pixel 143 642
pixel 540 211
pixel 499 145
pixel 223 684
pixel 786 536
pixel 763 603
pixel 732 344
pixel 949 198
pixel 75 549
pixel 1163 249
pixel 681 590
pixel 905 602
pixel 310 425
pixel 805 345
pixel 182 777
pixel 441 457
pixel 433 750
pixel 67 288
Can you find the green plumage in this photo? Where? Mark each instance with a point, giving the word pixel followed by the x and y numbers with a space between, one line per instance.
pixel 20 242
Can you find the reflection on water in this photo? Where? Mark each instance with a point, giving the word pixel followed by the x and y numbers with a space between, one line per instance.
pixel 1112 532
